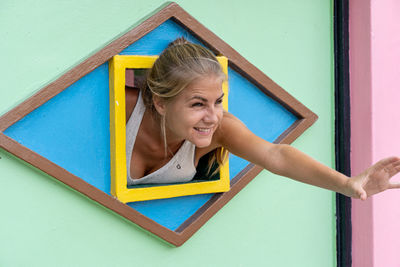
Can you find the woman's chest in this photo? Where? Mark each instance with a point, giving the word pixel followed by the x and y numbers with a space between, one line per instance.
pixel 144 162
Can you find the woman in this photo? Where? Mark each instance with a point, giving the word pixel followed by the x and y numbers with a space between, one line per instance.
pixel 177 118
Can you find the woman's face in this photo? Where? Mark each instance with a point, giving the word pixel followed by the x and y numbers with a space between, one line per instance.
pixel 196 112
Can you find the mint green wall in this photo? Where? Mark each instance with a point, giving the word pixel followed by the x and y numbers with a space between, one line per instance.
pixel 272 222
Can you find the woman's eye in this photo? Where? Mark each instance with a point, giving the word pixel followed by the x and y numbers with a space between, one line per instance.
pixel 219 101
pixel 198 104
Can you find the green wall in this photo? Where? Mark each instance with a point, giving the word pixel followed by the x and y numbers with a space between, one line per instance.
pixel 273 222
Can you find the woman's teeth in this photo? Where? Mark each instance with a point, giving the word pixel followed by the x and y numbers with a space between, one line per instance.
pixel 203 130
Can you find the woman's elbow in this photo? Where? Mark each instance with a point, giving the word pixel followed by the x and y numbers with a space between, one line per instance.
pixel 275 159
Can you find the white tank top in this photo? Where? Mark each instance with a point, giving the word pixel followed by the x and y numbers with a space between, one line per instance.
pixel 179 169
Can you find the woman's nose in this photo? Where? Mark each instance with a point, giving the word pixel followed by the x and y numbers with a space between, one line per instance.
pixel 212 115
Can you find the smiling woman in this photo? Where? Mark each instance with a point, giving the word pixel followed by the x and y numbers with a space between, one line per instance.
pixel 170 147
pixel 172 120
pixel 177 117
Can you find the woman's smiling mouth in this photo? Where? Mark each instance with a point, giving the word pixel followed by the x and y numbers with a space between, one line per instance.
pixel 202 130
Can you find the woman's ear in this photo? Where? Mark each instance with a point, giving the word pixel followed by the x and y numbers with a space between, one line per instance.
pixel 159 105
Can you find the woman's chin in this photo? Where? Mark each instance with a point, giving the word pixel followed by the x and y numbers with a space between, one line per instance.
pixel 201 143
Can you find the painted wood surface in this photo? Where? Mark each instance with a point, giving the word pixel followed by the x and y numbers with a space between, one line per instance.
pixel 72 129
pixel 264 116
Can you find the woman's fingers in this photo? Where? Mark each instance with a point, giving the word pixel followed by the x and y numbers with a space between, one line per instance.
pixel 386 161
pixel 362 195
pixel 394 185
pixel 393 169
pixel 390 165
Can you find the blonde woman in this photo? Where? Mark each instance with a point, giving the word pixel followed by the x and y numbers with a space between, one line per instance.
pixel 177 118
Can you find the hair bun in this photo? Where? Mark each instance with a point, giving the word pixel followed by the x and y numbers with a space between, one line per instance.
pixel 178 41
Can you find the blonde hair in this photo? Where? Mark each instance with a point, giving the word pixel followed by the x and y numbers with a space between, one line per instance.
pixel 177 66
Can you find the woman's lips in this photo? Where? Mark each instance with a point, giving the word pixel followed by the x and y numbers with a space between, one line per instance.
pixel 203 130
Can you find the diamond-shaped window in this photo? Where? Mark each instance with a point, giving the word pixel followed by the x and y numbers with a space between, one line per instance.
pixel 64 129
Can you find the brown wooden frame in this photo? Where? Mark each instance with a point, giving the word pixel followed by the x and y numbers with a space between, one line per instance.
pixel 171 11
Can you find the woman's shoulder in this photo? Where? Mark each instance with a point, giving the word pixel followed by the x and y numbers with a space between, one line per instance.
pixel 131 97
pixel 230 125
pixel 232 132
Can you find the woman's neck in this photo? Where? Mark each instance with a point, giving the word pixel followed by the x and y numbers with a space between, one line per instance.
pixel 151 125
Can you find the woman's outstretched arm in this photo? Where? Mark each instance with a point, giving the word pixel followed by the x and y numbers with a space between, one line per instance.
pixel 287 161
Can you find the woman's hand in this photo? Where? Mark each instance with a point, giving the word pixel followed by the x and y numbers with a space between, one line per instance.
pixel 375 179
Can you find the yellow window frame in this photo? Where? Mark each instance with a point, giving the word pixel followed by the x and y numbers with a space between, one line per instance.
pixel 117 67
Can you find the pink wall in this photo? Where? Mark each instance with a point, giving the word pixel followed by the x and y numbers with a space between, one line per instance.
pixel 375 105
pixel 361 125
